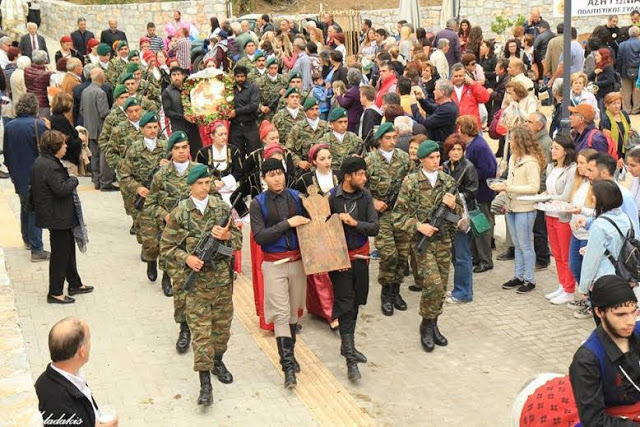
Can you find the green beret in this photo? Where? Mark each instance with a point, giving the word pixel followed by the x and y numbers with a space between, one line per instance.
pixel 337 113
pixel 196 172
pixel 271 61
pixel 147 118
pixel 103 49
pixel 426 148
pixel 130 102
pixel 295 75
pixel 290 91
pixel 258 54
pixel 133 53
pixel 126 76
pixel 310 102
pixel 121 44
pixel 386 127
pixel 119 90
pixel 132 67
pixel 175 138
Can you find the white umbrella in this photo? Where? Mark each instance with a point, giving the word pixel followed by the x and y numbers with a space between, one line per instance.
pixel 409 10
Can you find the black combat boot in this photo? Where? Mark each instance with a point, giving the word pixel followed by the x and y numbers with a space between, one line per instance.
pixel 352 364
pixel 285 349
pixel 166 285
pixel 438 338
pixel 184 338
pixel 206 392
pixel 397 300
pixel 385 298
pixel 293 328
pixel 152 270
pixel 426 335
pixel 133 230
pixel 221 371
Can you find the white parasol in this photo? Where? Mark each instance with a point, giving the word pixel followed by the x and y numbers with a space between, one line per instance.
pixel 409 10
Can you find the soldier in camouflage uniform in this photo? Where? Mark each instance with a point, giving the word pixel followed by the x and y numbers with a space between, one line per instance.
pixel 115 117
pixel 144 89
pixel 133 86
pixel 287 117
pixel 120 61
pixel 209 304
pixel 104 51
pixel 295 80
pixel 304 135
pixel 259 69
pixel 341 142
pixel 249 55
pixel 168 188
pixel 421 194
pixel 272 86
pixel 386 168
pixel 144 158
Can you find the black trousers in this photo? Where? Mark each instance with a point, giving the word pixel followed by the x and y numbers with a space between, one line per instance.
pixel 62 264
pixel 541 240
pixel 245 137
pixel 350 291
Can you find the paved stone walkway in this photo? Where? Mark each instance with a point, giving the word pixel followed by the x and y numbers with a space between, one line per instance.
pixel 497 342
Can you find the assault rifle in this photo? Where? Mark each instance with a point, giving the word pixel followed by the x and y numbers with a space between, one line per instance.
pixel 209 248
pixel 273 106
pixel 392 194
pixel 139 203
pixel 438 218
pixel 367 144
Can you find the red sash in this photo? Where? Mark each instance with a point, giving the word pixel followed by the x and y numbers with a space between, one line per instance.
pixel 272 257
pixel 362 250
pixel 628 411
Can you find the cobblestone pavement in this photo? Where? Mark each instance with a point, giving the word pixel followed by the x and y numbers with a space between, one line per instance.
pixel 497 342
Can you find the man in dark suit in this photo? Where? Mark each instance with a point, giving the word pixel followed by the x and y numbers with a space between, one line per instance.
pixel 61 389
pixel 112 34
pixel 81 36
pixel 32 41
pixel 77 93
pixel 173 110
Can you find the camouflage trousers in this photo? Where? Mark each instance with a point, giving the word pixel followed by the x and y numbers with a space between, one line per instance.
pixel 433 273
pixel 393 246
pixel 179 302
pixel 148 233
pixel 209 315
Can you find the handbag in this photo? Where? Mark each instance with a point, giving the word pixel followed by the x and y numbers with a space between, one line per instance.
pixel 479 222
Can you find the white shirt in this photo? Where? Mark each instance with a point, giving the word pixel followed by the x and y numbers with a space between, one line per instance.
pixel 458 90
pixel 272 78
pixel 181 167
pixel 201 204
pixel 551 186
pixel 104 65
pixel 79 382
pixel 431 176
pixel 313 123
pixel 293 112
pixel 219 157
pixel 325 181
pixel 261 71
pixel 150 143
pixel 387 155
pixel 33 39
pixel 339 136
pixel 635 191
pixel 136 124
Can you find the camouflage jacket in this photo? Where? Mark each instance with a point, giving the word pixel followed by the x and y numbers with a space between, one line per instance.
pixel 246 62
pixel 122 136
pixel 270 93
pixel 186 227
pixel 382 176
pixel 418 200
pixel 167 189
pixel 284 122
pixel 150 92
pixel 113 119
pixel 139 163
pixel 111 73
pixel 118 66
pixel 303 96
pixel 302 137
pixel 255 75
pixel 340 150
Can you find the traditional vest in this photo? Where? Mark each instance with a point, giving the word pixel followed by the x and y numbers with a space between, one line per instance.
pixel 289 239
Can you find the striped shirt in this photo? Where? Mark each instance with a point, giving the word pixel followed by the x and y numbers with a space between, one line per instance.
pixel 156 43
pixel 183 52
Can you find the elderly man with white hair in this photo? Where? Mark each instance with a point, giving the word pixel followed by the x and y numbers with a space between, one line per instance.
pixel 18 88
pixel 246 28
pixel 5 44
pixel 404 126
pixel 32 41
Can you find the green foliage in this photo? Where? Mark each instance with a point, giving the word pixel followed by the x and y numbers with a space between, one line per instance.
pixel 520 20
pixel 500 25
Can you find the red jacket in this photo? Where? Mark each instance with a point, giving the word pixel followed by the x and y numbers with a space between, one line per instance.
pixel 469 102
pixel 385 87
pixel 36 79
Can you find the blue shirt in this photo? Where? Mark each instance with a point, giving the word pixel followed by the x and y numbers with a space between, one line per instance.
pixel 577 57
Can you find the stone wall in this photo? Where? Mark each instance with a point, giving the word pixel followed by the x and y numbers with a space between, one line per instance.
pixel 60 17
pixel 387 18
pixel 18 400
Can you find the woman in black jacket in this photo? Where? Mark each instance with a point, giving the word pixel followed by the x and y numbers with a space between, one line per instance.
pixel 61 120
pixel 52 195
pixel 466 177
pixel 488 61
pixel 604 76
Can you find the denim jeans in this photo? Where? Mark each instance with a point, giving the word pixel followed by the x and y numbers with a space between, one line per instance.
pixel 521 228
pixel 30 233
pixel 463 267
pixel 575 259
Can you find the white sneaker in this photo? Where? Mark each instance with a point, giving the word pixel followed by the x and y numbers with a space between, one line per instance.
pixel 552 295
pixel 562 298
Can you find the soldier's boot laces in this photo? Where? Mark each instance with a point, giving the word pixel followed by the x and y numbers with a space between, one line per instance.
pixel 426 335
pixel 398 302
pixel 221 371
pixel 385 299
pixel 166 285
pixel 353 373
pixel 293 328
pixel 206 392
pixel 184 338
pixel 285 349
pixel 152 270
pixel 438 338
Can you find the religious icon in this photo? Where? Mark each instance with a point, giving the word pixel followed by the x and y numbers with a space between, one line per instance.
pixel 322 243
pixel 206 96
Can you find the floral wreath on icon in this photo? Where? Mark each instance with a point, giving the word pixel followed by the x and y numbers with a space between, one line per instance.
pixel 207 96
